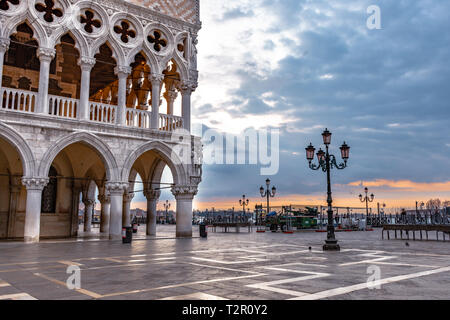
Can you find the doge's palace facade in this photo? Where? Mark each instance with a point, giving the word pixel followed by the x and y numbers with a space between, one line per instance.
pixel 94 93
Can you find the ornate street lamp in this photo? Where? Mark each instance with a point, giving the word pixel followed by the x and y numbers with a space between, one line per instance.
pixel 327 162
pixel 267 193
pixel 166 207
pixel 243 202
pixel 366 199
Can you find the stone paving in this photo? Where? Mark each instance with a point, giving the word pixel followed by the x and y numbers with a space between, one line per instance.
pixel 256 266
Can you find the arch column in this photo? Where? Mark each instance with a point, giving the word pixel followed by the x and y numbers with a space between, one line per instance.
pixel 105 202
pixel 14 192
pixel 186 92
pixel 116 191
pixel 4 45
pixel 156 80
pixel 33 208
pixel 126 218
pixel 88 208
pixel 152 200
pixel 75 208
pixel 122 73
pixel 86 64
pixel 45 56
pixel 170 96
pixel 184 196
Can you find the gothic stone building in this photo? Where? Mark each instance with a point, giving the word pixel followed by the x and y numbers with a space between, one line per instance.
pixel 94 93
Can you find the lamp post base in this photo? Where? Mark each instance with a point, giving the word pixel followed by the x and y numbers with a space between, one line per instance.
pixel 331 246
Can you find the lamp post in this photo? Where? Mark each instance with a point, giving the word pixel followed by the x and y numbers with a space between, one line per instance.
pixel 166 207
pixel 243 202
pixel 327 162
pixel 267 193
pixel 366 199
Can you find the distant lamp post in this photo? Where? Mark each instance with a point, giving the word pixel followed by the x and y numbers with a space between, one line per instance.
pixel 243 202
pixel 366 199
pixel 327 162
pixel 166 207
pixel 267 193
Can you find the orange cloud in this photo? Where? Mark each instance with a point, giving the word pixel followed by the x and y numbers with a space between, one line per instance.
pixel 405 185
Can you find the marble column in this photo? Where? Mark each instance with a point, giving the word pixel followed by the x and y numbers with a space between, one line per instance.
pixel 4 45
pixel 152 200
pixel 34 188
pixel 156 80
pixel 122 73
pixel 170 97
pixel 116 191
pixel 184 196
pixel 126 219
pixel 75 210
pixel 45 56
pixel 186 92
pixel 14 192
pixel 105 201
pixel 86 64
pixel 88 209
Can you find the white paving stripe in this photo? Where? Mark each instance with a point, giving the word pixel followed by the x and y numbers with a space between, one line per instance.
pixel 17 296
pixel 362 286
pixel 195 296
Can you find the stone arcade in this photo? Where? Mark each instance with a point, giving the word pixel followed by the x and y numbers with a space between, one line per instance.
pixel 88 100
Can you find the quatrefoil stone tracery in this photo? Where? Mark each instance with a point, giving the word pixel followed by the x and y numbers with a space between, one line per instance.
pixel 157 40
pixel 49 10
pixel 125 31
pixel 4 5
pixel 89 21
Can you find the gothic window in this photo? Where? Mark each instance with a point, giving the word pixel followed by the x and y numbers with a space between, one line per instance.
pixel 22 49
pixel 4 5
pixel 157 40
pixel 89 21
pixel 125 31
pixel 48 204
pixel 49 10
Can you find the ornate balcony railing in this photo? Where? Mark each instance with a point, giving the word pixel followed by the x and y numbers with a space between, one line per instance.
pixel 101 112
pixel 18 100
pixel 63 107
pixel 169 122
pixel 138 118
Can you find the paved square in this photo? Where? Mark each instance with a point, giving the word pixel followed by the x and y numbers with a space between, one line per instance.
pixel 228 266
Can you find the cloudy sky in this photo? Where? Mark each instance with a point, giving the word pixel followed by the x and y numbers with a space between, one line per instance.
pixel 303 65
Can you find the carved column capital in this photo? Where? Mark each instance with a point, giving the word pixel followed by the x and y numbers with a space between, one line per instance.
pixel 35 183
pixel 170 95
pixel 156 79
pixel 86 63
pixel 46 54
pixel 104 199
pixel 88 202
pixel 116 188
pixel 187 87
pixel 128 197
pixel 187 192
pixel 152 194
pixel 4 44
pixel 122 71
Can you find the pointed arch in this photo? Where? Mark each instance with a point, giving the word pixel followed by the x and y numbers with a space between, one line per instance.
pixel 22 147
pixel 150 57
pixel 80 42
pixel 182 70
pixel 116 49
pixel 167 155
pixel 38 31
pixel 89 139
